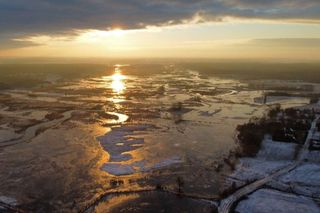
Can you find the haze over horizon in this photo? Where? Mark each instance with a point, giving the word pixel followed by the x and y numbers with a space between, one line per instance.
pixel 175 106
pixel 231 29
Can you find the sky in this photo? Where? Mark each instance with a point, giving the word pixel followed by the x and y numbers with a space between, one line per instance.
pixel 244 29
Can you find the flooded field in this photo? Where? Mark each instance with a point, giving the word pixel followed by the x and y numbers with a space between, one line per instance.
pixel 96 143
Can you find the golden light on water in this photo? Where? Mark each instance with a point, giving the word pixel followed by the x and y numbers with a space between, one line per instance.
pixel 117 83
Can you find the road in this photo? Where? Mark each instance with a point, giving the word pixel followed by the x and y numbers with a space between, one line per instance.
pixel 226 204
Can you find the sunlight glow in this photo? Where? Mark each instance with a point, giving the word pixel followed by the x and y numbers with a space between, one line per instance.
pixel 117 83
pixel 230 39
pixel 92 36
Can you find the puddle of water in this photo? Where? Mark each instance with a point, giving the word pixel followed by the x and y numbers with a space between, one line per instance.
pixel 121 118
pixel 153 202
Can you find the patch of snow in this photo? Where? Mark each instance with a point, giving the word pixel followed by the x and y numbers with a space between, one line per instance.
pixel 313 156
pixel 8 200
pixel 250 169
pixel 276 151
pixel 118 169
pixel 119 142
pixel 166 162
pixel 306 174
pixel 267 200
pixel 121 135
pixel 138 166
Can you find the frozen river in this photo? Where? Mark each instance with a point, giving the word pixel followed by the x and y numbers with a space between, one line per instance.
pixel 122 131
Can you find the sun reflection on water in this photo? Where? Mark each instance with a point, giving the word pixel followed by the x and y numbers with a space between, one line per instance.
pixel 117 84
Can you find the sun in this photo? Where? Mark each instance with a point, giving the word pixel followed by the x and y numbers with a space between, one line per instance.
pixel 118 32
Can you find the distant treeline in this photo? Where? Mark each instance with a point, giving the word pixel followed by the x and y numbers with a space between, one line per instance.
pixel 286 125
pixel 30 75
pixel 309 72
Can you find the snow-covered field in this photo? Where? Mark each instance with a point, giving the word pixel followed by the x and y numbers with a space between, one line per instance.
pixel 291 192
pixel 267 200
pixel 271 157
pixel 150 130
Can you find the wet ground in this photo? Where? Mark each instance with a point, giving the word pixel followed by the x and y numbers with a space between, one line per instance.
pixel 149 202
pixel 65 145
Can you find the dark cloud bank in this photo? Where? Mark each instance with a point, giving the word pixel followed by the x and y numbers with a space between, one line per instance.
pixel 27 17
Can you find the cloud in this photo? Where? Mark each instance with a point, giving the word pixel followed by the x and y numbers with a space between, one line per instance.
pixel 7 42
pixel 287 42
pixel 273 3
pixel 12 44
pixel 19 18
pixel 272 43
